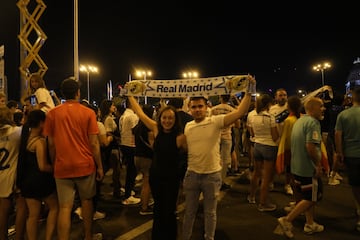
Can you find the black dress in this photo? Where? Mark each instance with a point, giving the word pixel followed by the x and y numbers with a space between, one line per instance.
pixel 33 182
pixel 164 182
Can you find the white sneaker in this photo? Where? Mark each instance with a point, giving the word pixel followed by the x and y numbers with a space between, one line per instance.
pixel 333 181
pixel 131 201
pixel 286 227
pixel 139 177
pixel 123 191
pixel 98 215
pixel 78 212
pixel 313 228
pixel 288 189
pixel 11 231
pixel 151 202
pixel 338 177
pixel 97 236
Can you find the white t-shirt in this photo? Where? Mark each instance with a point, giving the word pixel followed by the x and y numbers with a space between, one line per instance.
pixel 101 127
pixel 203 141
pixel 127 121
pixel 249 117
pixel 43 96
pixel 9 151
pixel 261 123
pixel 223 108
pixel 275 110
pixel 110 124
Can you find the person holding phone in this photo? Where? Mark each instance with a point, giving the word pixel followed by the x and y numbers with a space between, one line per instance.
pixel 43 100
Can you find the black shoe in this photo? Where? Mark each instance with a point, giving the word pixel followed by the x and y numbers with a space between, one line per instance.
pixel 225 186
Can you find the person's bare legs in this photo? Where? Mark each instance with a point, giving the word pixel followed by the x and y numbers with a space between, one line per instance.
pixel 51 220
pixel 34 207
pixel 5 205
pixel 256 177
pixel 234 162
pixel 87 212
pixel 145 192
pixel 64 221
pixel 302 206
pixel 21 216
pixel 309 214
pixel 268 172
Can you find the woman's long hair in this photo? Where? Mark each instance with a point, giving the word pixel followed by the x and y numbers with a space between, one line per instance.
pixel 263 103
pixel 105 109
pixel 34 118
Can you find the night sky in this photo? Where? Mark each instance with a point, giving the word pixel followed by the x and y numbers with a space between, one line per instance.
pixel 277 44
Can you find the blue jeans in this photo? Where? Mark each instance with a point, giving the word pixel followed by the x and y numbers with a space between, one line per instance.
pixel 225 154
pixel 209 185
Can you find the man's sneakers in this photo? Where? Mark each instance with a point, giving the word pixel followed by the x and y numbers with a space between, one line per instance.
pixel 97 236
pixel 148 211
pixel 251 199
pixel 288 189
pixel 122 190
pixel 286 227
pixel 269 207
pixel 333 181
pixel 335 178
pixel 97 215
pixel 131 201
pixel 313 228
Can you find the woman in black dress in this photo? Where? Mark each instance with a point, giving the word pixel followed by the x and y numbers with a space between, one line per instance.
pixel 35 177
pixel 169 146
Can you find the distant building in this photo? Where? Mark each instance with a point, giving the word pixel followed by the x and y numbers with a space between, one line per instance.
pixel 353 79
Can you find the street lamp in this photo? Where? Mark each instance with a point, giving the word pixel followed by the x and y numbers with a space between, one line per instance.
pixel 190 75
pixel 321 67
pixel 144 74
pixel 88 69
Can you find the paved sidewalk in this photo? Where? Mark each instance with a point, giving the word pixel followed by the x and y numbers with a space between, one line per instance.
pixel 237 219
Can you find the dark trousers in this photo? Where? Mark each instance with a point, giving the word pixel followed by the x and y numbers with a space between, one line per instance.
pixel 131 172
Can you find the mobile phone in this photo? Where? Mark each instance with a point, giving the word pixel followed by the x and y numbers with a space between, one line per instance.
pixel 33 100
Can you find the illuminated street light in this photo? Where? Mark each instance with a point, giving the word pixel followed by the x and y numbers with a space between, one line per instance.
pixel 143 74
pixel 321 68
pixel 88 69
pixel 190 75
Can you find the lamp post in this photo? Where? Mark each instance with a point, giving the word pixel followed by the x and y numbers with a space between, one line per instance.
pixel 144 74
pixel 321 67
pixel 88 69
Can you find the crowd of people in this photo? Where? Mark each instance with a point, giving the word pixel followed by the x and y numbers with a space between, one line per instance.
pixel 67 148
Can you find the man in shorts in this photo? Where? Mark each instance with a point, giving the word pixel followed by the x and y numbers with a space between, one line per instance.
pixel 306 167
pixel 74 150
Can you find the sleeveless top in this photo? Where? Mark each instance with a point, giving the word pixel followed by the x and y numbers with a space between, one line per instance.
pixel 35 183
pixel 165 163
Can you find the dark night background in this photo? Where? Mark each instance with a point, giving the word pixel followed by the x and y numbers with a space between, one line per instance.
pixel 278 44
